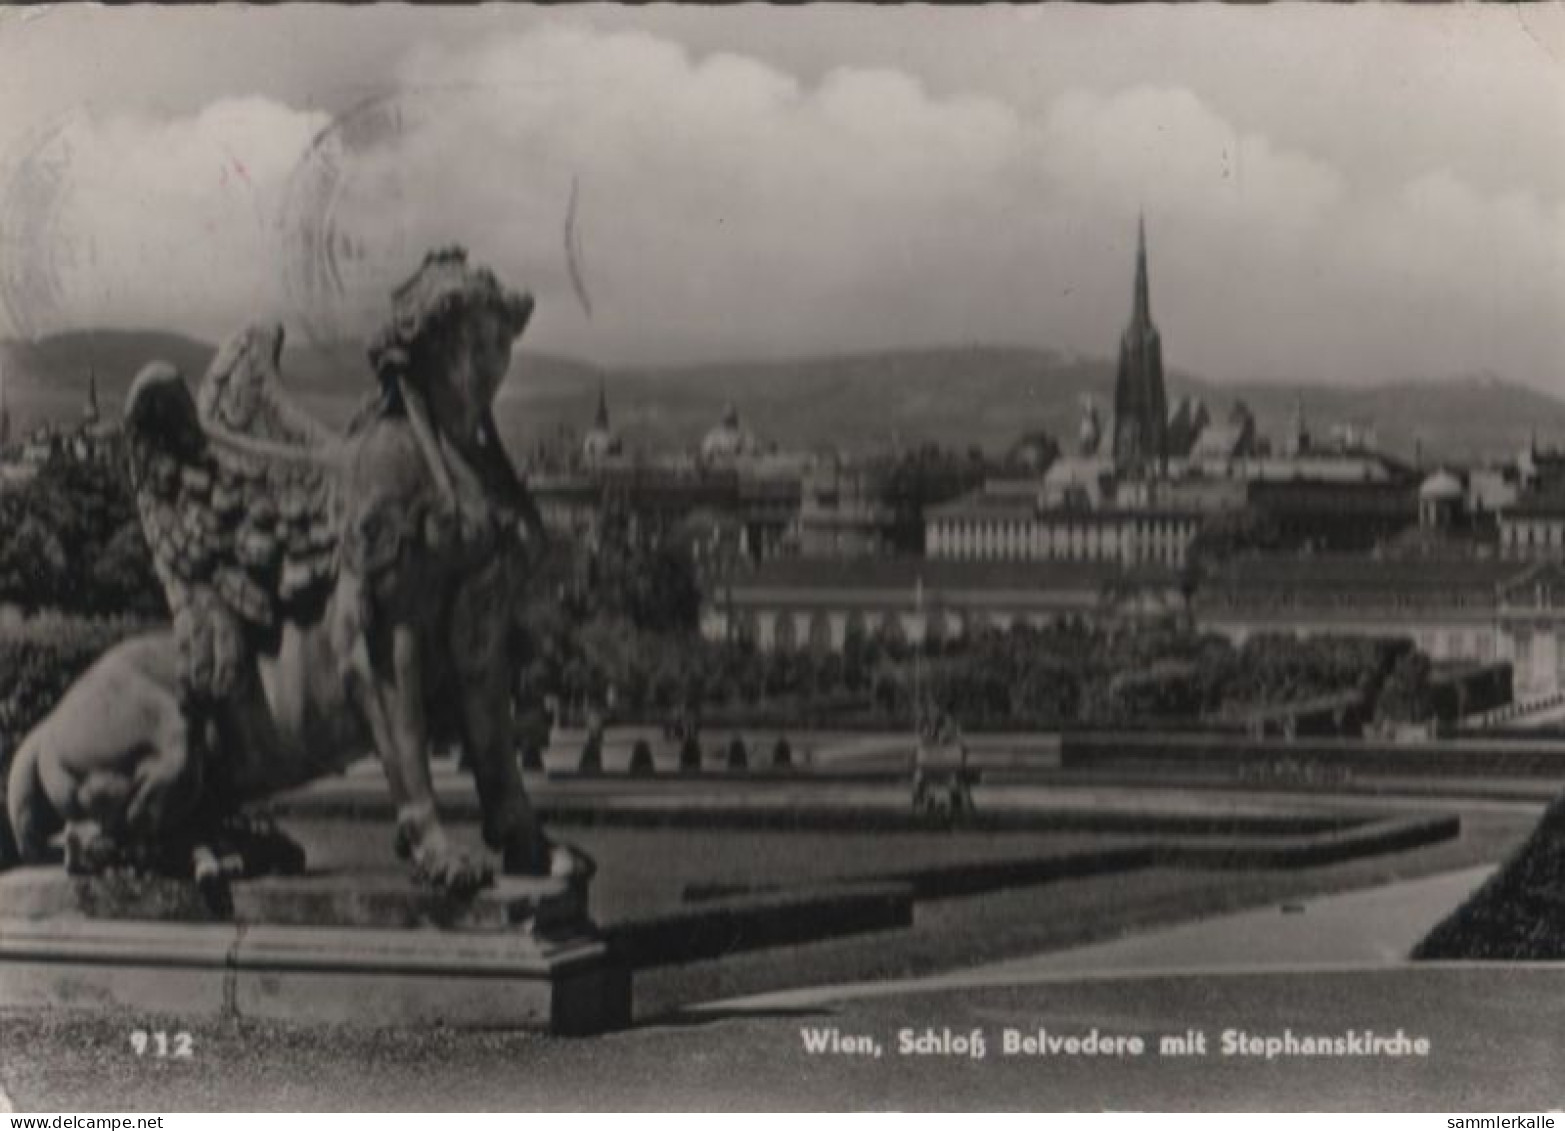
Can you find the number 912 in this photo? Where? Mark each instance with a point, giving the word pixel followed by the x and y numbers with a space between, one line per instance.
pixel 162 1045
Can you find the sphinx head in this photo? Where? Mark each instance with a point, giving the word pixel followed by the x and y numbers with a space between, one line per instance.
pixel 449 337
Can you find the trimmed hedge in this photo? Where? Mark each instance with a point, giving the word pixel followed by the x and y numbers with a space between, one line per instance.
pixel 42 657
pixel 641 759
pixel 974 878
pixel 1459 693
pixel 1370 839
pixel 1183 752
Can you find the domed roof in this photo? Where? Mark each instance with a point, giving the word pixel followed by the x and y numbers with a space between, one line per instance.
pixel 1441 485
pixel 727 438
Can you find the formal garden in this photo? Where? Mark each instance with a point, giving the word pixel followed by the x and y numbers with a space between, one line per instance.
pixel 613 635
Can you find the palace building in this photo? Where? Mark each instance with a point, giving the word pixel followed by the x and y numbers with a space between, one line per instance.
pixel 818 604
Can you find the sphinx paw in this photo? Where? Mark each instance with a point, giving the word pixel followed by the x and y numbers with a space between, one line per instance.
pixel 451 871
pixel 436 862
pixel 265 848
pixel 89 851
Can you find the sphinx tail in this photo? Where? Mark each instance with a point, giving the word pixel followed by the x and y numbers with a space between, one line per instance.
pixel 10 851
pixel 27 819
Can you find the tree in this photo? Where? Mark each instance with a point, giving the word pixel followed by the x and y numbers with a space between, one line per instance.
pixel 33 563
pixel 634 570
pixel 73 542
pixel 1229 534
pixel 1406 695
pixel 923 477
pixel 1033 453
pixel 122 578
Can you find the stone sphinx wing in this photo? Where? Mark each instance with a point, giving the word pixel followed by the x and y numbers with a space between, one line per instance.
pixel 242 397
pixel 233 490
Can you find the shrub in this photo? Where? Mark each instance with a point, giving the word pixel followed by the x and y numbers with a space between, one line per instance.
pixel 782 753
pixel 1405 696
pixel 1470 689
pixel 690 753
pixel 738 756
pixel 641 759
pixel 74 542
pixel 1168 687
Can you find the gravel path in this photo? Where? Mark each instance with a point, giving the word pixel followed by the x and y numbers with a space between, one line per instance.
pixel 1492 1037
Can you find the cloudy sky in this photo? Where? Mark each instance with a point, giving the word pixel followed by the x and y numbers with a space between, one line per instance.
pixel 1344 194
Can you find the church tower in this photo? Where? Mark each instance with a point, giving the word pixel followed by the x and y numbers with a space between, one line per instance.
pixel 1140 401
pixel 5 413
pixel 601 417
pixel 90 409
pixel 600 441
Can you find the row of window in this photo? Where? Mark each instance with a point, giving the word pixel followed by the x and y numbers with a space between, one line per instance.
pixel 1369 602
pixel 794 630
pixel 1521 534
pixel 1456 644
pixel 1159 540
pixel 1132 527
pixel 1532 659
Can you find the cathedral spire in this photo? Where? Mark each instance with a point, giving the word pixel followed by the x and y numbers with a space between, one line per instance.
pixel 1143 309
pixel 90 410
pixel 1140 399
pixel 5 412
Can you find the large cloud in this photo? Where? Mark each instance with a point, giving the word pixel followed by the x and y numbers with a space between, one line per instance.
pixel 727 207
pixel 129 220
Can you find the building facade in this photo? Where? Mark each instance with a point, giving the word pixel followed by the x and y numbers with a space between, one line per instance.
pixel 988 527
pixel 846 511
pixel 1448 608
pixel 1470 610
pixel 761 510
pixel 1530 610
pixel 1474 609
pixel 799 603
pixel 1533 528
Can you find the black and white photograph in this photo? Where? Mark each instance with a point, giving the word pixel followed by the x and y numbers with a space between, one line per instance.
pixel 856 557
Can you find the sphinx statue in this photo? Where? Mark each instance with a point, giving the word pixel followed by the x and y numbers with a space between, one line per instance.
pixel 331 594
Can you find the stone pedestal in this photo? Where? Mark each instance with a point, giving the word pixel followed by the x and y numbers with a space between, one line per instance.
pixel 370 950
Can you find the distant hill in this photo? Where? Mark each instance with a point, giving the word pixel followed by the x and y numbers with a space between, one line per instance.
pixel 1461 417
pixel 47 379
pixel 956 396
pixel 991 396
pixel 959 396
